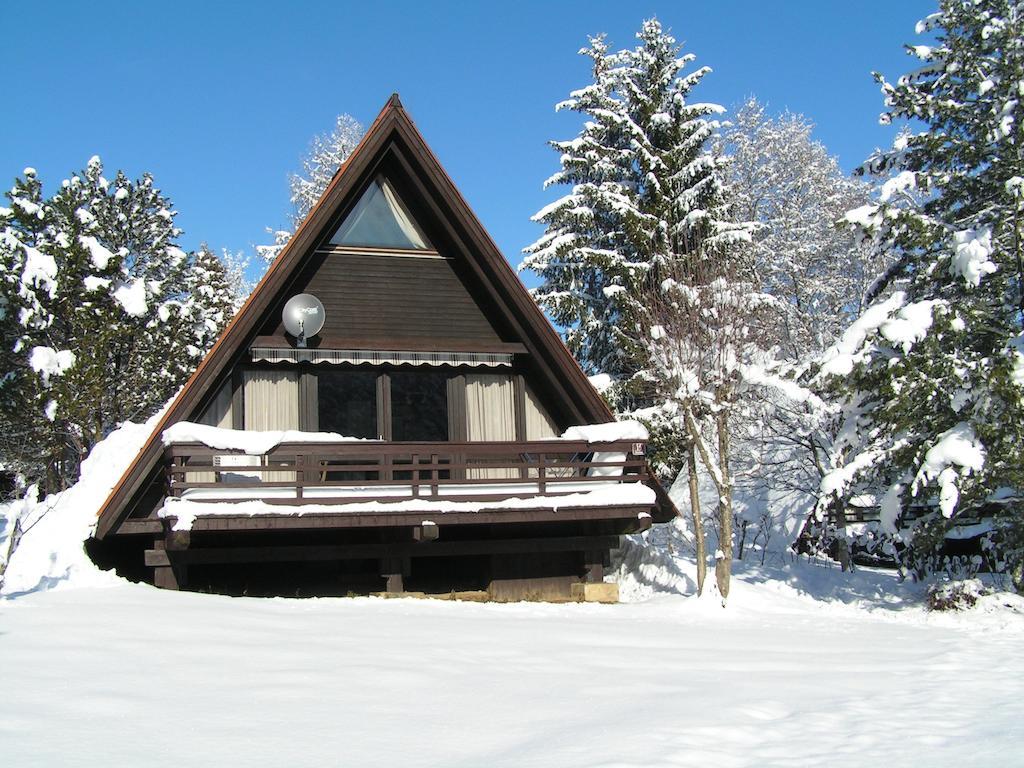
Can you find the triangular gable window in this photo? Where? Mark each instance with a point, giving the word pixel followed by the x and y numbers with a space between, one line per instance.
pixel 379 220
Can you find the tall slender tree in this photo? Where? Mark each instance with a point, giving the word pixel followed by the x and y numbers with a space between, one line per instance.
pixel 645 188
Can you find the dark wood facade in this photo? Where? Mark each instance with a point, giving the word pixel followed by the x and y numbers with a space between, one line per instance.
pixel 457 297
pixel 381 297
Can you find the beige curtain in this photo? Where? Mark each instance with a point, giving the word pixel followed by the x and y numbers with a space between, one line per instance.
pixel 271 403
pixel 217 414
pixel 490 415
pixel 539 425
pixel 398 210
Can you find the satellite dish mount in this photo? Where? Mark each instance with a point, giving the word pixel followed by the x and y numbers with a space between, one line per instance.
pixel 303 317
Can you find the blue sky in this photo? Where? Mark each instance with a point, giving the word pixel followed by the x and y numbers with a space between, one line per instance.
pixel 219 100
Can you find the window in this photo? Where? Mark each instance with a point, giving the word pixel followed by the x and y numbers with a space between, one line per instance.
pixel 424 405
pixel 419 405
pixel 347 403
pixel 379 220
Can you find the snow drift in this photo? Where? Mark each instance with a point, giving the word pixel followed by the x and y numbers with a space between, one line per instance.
pixel 51 553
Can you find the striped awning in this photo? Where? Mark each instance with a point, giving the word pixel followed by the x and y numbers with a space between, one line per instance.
pixel 379 357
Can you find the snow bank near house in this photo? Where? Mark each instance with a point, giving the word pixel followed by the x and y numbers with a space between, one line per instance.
pixel 51 553
pixel 657 562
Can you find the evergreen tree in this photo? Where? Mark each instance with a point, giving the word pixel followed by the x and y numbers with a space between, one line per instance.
pixel 104 316
pixel 933 374
pixel 645 190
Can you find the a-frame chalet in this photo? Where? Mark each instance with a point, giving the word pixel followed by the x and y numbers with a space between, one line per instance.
pixel 417 440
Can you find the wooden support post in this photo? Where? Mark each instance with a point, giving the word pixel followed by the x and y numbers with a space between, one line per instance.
pixel 433 474
pixel 392 570
pixel 164 576
pixel 167 572
pixel 594 567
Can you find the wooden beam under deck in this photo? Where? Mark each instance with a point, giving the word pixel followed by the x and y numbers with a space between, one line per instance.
pixel 269 554
pixel 399 519
pixel 388 520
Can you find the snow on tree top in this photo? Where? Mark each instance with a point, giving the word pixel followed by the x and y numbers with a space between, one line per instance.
pixel 971 258
pixel 48 362
pixel 910 325
pixel 132 298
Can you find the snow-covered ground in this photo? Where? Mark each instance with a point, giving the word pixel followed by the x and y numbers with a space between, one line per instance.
pixel 806 666
pixel 128 675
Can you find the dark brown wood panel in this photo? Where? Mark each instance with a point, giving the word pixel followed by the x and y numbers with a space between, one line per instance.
pixel 265 554
pixel 631 518
pixel 381 296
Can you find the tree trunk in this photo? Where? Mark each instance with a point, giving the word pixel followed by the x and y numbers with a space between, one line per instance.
pixel 842 545
pixel 698 523
pixel 723 559
pixel 12 544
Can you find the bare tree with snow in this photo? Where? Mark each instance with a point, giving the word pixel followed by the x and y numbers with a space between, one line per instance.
pixel 326 154
pixel 818 271
pixel 706 339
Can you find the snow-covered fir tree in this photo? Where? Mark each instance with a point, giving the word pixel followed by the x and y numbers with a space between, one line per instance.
pixel 933 373
pixel 326 153
pixel 103 315
pixel 644 189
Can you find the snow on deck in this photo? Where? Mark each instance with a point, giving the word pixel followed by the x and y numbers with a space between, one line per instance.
pixel 254 442
pixel 604 495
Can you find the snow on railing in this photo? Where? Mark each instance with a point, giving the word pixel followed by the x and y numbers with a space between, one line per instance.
pixel 341 472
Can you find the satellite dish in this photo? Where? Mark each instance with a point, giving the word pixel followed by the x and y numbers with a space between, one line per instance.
pixel 303 317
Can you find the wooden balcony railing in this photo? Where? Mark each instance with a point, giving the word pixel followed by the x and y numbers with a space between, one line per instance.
pixel 330 473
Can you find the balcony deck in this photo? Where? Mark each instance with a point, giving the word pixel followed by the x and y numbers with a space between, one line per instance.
pixel 378 484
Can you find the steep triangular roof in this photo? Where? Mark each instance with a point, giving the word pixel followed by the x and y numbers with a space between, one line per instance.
pixel 392 132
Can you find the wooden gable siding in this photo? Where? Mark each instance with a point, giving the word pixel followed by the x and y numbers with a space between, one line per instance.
pixel 386 296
